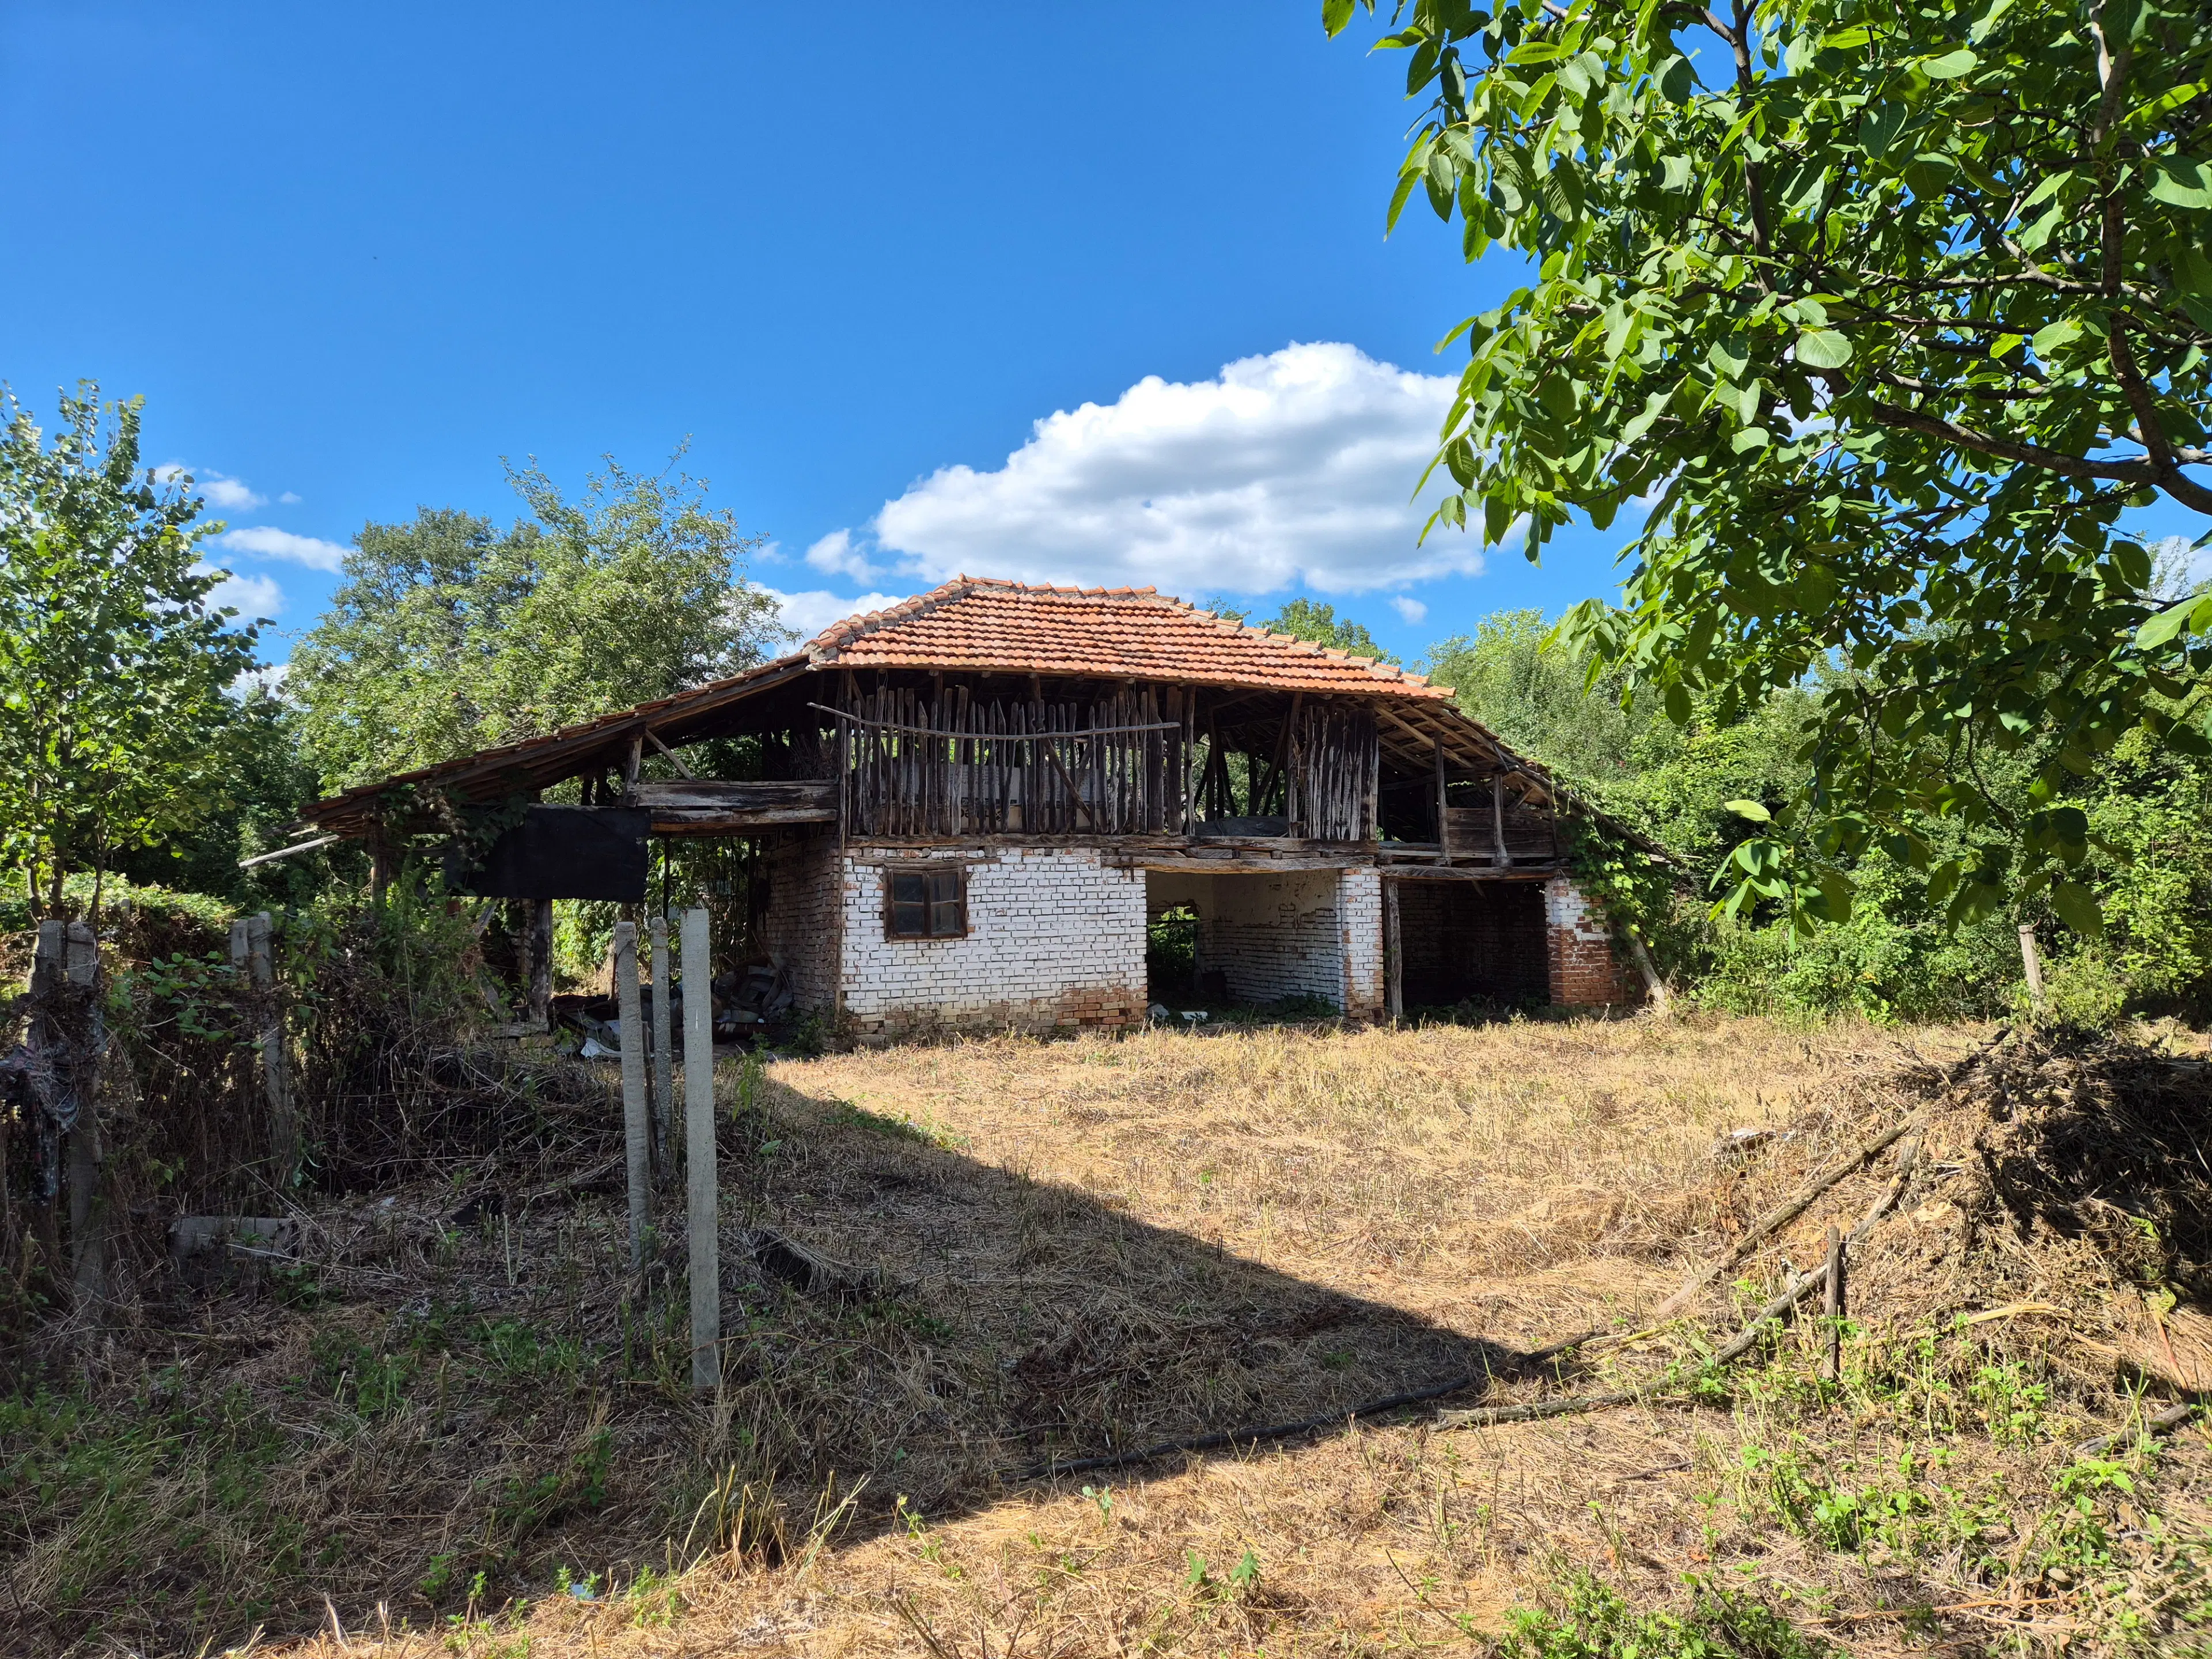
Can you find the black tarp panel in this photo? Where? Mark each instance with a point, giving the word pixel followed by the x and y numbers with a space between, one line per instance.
pixel 562 853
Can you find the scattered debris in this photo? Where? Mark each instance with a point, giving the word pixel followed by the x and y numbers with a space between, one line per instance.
pixel 810 1272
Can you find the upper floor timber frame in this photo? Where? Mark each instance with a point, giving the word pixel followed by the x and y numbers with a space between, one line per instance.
pixel 988 710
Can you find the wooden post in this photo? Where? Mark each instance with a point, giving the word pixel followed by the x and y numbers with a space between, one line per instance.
pixel 276 1060
pixel 1443 802
pixel 541 963
pixel 663 1066
pixel 2032 960
pixel 1835 1309
pixel 1394 950
pixel 380 863
pixel 1654 986
pixel 66 1038
pixel 1498 853
pixel 702 1193
pixel 636 1133
pixel 633 764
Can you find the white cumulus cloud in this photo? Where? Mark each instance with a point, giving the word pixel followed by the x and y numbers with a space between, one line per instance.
pixel 271 543
pixel 836 556
pixel 1295 467
pixel 229 493
pixel 1412 609
pixel 808 614
pixel 250 596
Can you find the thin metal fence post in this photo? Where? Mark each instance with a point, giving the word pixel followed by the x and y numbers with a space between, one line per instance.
pixel 703 1185
pixel 664 1062
pixel 635 1123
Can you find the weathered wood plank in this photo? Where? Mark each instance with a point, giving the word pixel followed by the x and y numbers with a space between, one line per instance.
pixel 713 795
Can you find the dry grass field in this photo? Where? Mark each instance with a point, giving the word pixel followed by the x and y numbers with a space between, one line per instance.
pixel 1040 1252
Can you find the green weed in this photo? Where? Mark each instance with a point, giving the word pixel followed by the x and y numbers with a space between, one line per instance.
pixel 1592 1621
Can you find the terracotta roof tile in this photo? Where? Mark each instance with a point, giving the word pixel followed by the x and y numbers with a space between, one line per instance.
pixel 979 625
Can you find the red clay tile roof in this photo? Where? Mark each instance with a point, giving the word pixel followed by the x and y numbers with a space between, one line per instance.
pixel 979 625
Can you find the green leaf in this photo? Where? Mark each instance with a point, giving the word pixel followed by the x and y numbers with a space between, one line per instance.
pixel 1836 890
pixel 1821 347
pixel 1334 15
pixel 2053 335
pixel 1678 82
pixel 2077 908
pixel 2167 625
pixel 1749 438
pixel 1674 172
pixel 1950 65
pixel 2148 116
pixel 1748 809
pixel 2181 183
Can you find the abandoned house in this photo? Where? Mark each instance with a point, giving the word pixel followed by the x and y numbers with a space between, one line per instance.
pixel 974 808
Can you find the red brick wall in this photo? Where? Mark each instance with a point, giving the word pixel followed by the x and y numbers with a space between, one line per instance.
pixel 1586 971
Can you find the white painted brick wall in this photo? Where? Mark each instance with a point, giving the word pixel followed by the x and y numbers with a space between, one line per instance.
pixel 1566 907
pixel 1056 938
pixel 1276 936
pixel 1359 913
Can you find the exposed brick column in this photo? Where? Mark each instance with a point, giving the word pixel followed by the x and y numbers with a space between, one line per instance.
pixel 1585 971
pixel 1359 915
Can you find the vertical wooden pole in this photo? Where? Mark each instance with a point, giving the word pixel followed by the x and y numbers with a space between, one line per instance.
pixel 664 1065
pixel 66 1040
pixel 1443 824
pixel 541 963
pixel 1835 1308
pixel 1394 950
pixel 2032 960
pixel 276 1060
pixel 636 1133
pixel 702 1193
pixel 633 764
pixel 1498 853
pixel 1654 986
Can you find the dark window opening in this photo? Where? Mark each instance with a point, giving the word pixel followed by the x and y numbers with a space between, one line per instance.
pixel 927 904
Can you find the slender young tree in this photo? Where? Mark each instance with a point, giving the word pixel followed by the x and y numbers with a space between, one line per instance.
pixel 1873 316
pixel 114 669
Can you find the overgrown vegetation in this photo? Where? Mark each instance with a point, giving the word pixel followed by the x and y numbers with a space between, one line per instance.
pixel 1896 952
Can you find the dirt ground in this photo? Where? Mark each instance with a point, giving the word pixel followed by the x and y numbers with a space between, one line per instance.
pixel 1036 1252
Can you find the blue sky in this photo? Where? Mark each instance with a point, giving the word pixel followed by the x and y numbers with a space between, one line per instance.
pixel 354 256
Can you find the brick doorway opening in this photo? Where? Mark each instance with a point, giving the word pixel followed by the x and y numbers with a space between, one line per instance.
pixel 1245 938
pixel 1484 942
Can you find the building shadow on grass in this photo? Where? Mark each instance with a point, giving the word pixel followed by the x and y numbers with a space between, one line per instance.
pixel 962 1330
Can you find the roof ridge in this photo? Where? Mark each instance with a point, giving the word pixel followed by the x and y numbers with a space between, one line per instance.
pixel 831 641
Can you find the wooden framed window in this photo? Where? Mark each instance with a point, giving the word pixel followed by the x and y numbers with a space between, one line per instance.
pixel 930 903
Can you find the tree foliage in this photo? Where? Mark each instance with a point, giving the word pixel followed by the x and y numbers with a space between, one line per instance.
pixel 1688 787
pixel 114 669
pixel 451 635
pixel 1879 314
pixel 1305 619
